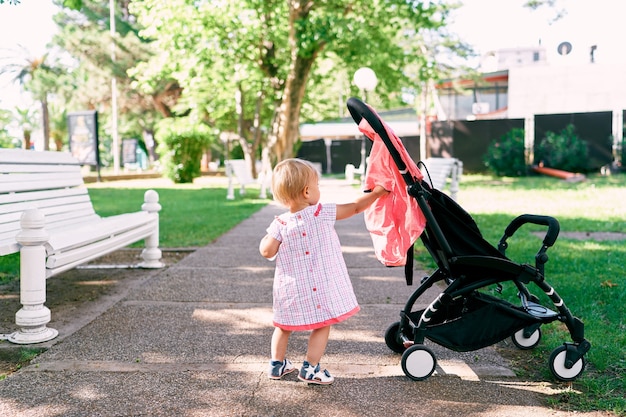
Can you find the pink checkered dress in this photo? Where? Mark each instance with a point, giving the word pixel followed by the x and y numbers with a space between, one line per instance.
pixel 312 288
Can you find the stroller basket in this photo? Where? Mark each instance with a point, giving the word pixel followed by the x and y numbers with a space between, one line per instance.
pixel 474 322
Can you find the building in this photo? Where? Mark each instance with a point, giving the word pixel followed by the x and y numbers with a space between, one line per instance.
pixel 528 91
pixel 518 88
pixel 334 144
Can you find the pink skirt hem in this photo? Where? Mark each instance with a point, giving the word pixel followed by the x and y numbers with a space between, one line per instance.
pixel 319 325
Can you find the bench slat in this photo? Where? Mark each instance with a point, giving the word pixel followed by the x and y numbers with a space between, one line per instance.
pixel 438 170
pixel 31 157
pixel 41 174
pixel 8 246
pixel 10 183
pixel 79 213
pixel 36 169
pixel 40 195
pixel 101 228
pixel 239 169
pixel 48 206
pixel 61 262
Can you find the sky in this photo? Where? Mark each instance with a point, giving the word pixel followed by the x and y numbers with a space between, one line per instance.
pixel 30 25
pixel 485 24
pixel 495 24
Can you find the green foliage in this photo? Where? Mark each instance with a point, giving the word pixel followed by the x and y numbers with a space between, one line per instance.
pixel 564 150
pixel 505 157
pixel 242 63
pixel 6 141
pixel 181 145
pixel 9 268
pixel 73 4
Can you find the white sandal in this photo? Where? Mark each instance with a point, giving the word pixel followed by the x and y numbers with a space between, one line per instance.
pixel 314 375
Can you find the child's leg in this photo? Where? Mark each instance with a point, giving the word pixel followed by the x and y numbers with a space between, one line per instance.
pixel 280 339
pixel 317 345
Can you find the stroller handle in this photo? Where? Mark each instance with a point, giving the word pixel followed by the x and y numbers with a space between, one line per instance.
pixel 551 222
pixel 359 111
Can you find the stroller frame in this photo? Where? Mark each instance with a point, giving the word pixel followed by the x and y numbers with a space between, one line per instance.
pixel 467 263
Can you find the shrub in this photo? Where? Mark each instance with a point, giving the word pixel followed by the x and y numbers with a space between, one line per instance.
pixel 181 145
pixel 564 150
pixel 505 157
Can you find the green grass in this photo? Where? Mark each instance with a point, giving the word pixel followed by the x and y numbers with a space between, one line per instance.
pixel 589 275
pixel 188 217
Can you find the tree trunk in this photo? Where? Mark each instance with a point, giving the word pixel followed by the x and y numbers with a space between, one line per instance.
pixel 26 141
pixel 45 116
pixel 286 126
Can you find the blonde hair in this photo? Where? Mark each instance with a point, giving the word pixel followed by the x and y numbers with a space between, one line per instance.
pixel 289 179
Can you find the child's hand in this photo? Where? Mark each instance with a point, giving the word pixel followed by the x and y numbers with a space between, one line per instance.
pixel 379 191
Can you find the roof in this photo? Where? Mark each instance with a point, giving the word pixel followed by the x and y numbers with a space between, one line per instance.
pixel 403 122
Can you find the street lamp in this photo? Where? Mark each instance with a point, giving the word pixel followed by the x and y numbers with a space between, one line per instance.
pixel 365 79
pixel 114 133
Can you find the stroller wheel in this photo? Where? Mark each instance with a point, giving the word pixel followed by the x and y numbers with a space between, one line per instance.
pixel 391 338
pixel 418 362
pixel 526 343
pixel 558 368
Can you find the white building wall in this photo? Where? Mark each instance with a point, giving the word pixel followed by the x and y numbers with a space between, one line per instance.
pixel 555 89
pixel 507 58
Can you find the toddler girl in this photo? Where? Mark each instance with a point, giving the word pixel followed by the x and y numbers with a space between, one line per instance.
pixel 312 289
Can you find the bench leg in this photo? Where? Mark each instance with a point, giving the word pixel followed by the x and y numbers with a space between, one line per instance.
pixel 33 317
pixel 230 194
pixel 152 254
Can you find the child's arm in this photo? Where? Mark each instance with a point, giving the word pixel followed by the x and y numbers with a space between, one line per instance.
pixel 360 204
pixel 269 247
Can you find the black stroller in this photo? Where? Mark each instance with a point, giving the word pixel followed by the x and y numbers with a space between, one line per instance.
pixel 462 317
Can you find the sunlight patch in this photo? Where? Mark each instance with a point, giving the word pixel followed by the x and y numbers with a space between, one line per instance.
pixel 539 387
pixel 356 249
pixel 383 279
pixel 8 296
pixel 88 393
pixel 250 319
pixel 101 282
pixel 257 269
pixel 354 335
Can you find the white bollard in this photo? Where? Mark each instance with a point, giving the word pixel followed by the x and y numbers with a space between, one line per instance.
pixel 151 254
pixel 230 194
pixel 33 317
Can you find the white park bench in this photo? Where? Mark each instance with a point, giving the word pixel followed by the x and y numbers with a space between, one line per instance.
pixel 237 171
pixel 47 216
pixel 438 170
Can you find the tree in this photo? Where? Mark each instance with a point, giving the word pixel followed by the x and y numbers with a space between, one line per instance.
pixel 37 76
pixel 85 35
pixel 25 118
pixel 265 54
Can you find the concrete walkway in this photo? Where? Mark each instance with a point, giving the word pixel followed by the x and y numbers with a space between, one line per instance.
pixel 193 340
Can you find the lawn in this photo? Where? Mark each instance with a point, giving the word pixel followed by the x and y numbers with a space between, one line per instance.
pixel 586 268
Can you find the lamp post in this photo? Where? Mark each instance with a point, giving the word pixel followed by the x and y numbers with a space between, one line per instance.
pixel 114 131
pixel 365 79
